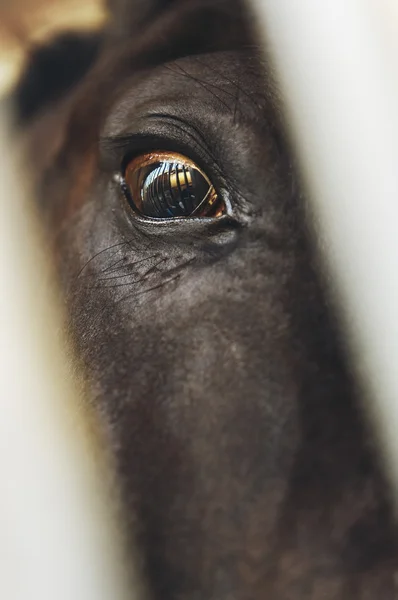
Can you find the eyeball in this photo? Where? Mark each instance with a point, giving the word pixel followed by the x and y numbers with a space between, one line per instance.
pixel 167 185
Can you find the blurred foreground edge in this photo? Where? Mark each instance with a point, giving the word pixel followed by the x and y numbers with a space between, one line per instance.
pixel 59 529
pixel 337 64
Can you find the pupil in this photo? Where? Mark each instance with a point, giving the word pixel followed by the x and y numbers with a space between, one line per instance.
pixel 170 189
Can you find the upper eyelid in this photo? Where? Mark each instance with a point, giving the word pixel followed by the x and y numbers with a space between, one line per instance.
pixel 113 149
pixel 143 128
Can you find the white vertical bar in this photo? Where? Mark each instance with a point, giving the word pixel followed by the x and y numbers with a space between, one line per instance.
pixel 339 78
pixel 58 538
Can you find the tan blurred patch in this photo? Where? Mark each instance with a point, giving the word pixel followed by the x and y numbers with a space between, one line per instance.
pixel 23 22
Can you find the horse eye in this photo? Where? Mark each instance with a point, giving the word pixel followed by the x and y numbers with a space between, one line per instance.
pixel 165 185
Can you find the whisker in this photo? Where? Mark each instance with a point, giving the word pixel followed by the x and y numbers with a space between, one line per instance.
pixel 98 254
pixel 151 289
pixel 110 267
pixel 127 266
pixel 154 268
pixel 145 276
pixel 117 285
pixel 204 85
pixel 229 80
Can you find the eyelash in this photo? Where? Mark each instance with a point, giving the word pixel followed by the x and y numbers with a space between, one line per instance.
pixel 179 136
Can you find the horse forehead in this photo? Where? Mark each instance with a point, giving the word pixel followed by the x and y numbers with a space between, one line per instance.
pixel 218 79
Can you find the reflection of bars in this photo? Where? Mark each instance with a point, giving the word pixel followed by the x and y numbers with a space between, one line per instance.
pixel 341 97
pixel 339 80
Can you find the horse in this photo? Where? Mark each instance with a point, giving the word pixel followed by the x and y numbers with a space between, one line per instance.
pixel 175 215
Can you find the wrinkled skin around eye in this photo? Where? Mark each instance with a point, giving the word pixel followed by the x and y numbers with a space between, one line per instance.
pixel 210 350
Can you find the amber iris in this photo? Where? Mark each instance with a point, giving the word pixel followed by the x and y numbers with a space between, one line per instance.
pixel 167 185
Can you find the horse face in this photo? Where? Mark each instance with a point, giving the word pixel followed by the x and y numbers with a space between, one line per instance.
pixel 206 340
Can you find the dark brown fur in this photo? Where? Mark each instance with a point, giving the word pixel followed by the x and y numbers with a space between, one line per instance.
pixel 209 347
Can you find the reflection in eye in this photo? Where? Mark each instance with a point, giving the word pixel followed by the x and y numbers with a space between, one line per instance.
pixel 166 185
